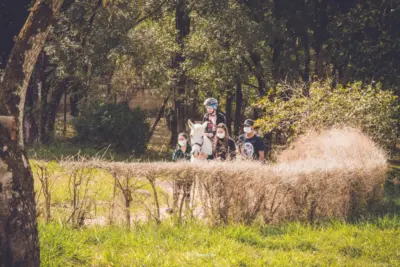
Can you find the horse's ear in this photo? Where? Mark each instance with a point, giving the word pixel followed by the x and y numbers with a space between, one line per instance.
pixel 190 124
pixel 205 124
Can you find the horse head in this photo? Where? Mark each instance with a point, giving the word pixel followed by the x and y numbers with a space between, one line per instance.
pixel 199 142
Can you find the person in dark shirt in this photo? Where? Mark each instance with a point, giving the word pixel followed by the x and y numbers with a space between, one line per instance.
pixel 224 147
pixel 182 152
pixel 213 117
pixel 252 145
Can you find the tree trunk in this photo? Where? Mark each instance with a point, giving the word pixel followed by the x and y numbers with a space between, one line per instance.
pixel 159 116
pixel 183 28
pixel 19 243
pixel 258 72
pixel 110 75
pixel 174 128
pixel 278 43
pixel 43 92
pixel 73 101
pixel 128 212
pixel 239 103
pixel 52 111
pixel 180 111
pixel 36 100
pixel 29 118
pixel 65 112
pixel 307 61
pixel 228 111
pixel 268 144
pixel 322 20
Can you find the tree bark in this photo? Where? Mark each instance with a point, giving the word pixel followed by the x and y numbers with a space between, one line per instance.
pixel 228 111
pixel 73 101
pixel 174 128
pixel 319 34
pixel 278 43
pixel 43 92
pixel 65 112
pixel 30 134
pixel 258 72
pixel 239 102
pixel 52 110
pixel 307 62
pixel 19 243
pixel 183 28
pixel 159 116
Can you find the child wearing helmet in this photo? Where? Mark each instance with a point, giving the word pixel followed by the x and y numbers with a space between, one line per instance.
pixel 213 116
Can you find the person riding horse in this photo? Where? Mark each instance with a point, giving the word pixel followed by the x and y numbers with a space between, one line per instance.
pixel 213 117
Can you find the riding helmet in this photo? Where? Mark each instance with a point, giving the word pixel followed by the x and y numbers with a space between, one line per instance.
pixel 211 102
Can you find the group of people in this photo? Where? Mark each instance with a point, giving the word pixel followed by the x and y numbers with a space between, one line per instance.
pixel 251 145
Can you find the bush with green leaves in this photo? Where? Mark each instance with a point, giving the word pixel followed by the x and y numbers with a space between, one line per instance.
pixel 292 112
pixel 117 125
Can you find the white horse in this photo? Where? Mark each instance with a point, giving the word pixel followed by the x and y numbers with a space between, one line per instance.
pixel 200 143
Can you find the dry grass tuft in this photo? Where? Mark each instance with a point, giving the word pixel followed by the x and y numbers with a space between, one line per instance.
pixel 334 173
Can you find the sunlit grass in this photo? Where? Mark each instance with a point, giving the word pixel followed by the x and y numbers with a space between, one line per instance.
pixel 366 243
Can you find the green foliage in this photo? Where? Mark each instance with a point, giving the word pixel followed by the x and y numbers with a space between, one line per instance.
pixel 373 110
pixel 366 243
pixel 114 49
pixel 115 124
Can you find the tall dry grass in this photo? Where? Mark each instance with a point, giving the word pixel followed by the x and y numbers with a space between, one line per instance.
pixel 334 173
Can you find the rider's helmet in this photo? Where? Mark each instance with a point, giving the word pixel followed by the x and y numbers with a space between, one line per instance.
pixel 211 102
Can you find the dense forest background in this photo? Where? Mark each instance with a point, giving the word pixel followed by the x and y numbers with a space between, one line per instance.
pixel 184 51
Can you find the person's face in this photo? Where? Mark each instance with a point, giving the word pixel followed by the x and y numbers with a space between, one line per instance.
pixel 247 129
pixel 220 131
pixel 210 110
pixel 182 141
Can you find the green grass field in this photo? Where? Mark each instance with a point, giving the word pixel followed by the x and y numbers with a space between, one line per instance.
pixel 372 242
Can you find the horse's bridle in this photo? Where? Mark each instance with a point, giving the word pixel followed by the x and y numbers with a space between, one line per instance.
pixel 200 145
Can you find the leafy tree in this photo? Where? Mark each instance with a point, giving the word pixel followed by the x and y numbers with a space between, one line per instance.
pixel 369 108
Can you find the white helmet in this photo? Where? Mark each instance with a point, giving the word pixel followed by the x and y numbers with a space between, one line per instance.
pixel 211 102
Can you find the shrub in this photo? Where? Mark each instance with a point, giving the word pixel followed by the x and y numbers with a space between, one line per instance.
pixel 114 124
pixel 368 108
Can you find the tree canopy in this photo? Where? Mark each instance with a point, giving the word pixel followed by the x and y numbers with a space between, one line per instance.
pixel 184 51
